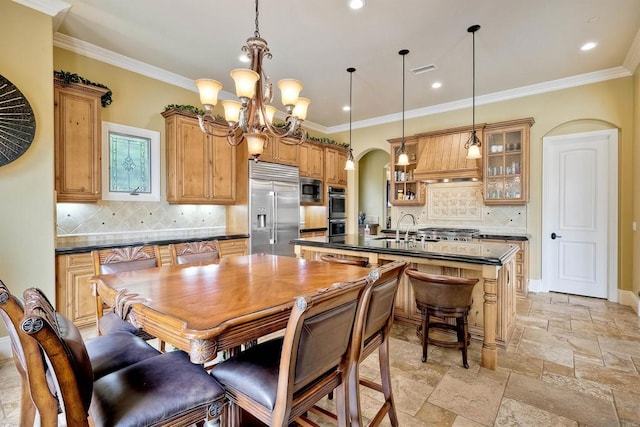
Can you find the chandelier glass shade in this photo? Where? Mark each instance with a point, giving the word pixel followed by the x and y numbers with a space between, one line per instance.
pixel 473 144
pixel 403 158
pixel 251 118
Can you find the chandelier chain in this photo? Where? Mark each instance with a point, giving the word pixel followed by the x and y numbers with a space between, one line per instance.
pixel 256 33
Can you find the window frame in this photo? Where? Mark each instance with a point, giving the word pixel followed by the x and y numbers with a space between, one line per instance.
pixel 154 160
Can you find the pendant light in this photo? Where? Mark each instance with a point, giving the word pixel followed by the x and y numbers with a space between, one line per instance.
pixel 473 144
pixel 350 165
pixel 403 158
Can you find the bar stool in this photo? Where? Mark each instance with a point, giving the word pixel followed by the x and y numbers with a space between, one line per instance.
pixel 445 297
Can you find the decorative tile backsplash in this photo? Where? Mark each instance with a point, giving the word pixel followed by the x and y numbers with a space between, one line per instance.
pixel 460 205
pixel 108 217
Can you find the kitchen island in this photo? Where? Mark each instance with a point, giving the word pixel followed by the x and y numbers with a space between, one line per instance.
pixel 492 314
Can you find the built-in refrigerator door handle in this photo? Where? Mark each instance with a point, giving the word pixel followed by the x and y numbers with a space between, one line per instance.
pixel 273 195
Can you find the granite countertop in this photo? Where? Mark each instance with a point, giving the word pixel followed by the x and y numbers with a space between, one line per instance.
pixel 80 245
pixel 481 235
pixel 476 252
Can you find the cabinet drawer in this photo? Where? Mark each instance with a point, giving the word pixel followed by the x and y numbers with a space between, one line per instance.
pixel 232 247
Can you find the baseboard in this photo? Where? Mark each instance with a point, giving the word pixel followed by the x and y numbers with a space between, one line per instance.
pixel 631 299
pixel 537 286
pixel 5 347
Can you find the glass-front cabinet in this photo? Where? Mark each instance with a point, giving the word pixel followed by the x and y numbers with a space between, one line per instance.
pixel 506 165
pixel 405 189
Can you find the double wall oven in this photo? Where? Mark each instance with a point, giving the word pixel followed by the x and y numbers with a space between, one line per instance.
pixel 337 203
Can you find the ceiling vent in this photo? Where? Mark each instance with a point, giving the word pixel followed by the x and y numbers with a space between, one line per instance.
pixel 423 69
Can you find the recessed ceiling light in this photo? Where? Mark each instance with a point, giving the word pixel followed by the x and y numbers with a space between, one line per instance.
pixel 243 58
pixel 436 85
pixel 588 46
pixel 346 108
pixel 355 4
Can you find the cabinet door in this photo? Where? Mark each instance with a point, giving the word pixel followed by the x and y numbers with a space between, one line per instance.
pixel 334 160
pixel 74 292
pixel 506 166
pixel 77 143
pixel 341 162
pixel 287 154
pixel 223 166
pixel 331 171
pixel 200 169
pixel 192 163
pixel 311 161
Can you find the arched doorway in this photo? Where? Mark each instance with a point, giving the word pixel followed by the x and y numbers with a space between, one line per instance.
pixel 372 186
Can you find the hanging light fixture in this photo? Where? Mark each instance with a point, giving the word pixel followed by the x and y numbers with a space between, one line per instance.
pixel 251 119
pixel 473 144
pixel 350 165
pixel 403 158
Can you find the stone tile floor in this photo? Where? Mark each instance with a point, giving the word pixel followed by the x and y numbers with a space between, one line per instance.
pixel 572 361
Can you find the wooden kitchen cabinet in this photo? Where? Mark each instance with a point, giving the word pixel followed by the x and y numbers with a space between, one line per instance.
pixel 405 190
pixel 441 155
pixel 233 247
pixel 335 159
pixel 278 151
pixel 77 141
pixel 311 161
pixel 305 234
pixel 506 166
pixel 74 294
pixel 521 265
pixel 201 169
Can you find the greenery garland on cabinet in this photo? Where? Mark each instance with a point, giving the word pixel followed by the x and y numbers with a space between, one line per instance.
pixel 69 78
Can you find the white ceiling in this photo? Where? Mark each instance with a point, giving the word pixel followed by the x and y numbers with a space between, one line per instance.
pixel 521 43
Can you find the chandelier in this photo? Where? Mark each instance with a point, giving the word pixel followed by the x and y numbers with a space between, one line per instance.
pixel 251 119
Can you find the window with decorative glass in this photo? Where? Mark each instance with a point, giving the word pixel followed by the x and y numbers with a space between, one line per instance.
pixel 130 163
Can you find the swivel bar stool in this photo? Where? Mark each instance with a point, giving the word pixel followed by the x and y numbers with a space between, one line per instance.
pixel 445 297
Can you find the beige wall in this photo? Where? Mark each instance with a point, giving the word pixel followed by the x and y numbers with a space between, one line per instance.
pixel 605 104
pixel 26 185
pixel 372 182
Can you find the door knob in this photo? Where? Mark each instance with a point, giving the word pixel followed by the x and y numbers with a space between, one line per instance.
pixel 554 236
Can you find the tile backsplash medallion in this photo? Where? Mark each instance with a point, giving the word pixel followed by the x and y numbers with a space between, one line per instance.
pixel 460 205
pixel 108 219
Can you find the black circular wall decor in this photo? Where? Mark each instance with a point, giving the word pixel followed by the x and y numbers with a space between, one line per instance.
pixel 17 122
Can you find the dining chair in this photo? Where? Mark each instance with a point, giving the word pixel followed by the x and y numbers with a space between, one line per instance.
pixel 371 331
pixel 443 297
pixel 107 354
pixel 163 390
pixel 116 260
pixel 201 252
pixel 277 381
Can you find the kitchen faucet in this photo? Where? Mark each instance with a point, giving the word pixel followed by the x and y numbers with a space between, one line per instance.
pixel 406 234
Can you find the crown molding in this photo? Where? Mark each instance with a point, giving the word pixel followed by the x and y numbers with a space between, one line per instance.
pixel 521 92
pixel 92 51
pixel 89 50
pixel 48 7
pixel 632 59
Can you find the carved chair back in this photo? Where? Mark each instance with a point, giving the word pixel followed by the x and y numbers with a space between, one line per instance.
pixel 29 362
pixel 202 252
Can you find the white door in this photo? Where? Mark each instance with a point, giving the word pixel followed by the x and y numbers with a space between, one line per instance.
pixel 575 212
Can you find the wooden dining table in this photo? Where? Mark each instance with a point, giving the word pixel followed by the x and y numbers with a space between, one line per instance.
pixel 208 308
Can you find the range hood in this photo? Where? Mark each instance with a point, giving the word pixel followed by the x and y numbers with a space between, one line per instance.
pixel 441 156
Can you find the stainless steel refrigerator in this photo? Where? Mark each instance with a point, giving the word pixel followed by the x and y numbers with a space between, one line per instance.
pixel 274 207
